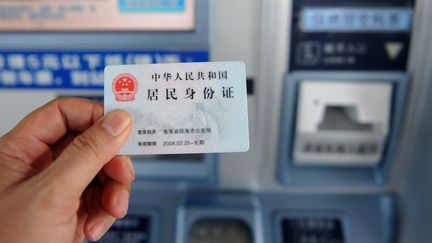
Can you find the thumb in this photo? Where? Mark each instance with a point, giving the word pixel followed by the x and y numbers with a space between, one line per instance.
pixel 81 161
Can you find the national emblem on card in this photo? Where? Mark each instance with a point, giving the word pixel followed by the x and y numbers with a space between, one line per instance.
pixel 125 87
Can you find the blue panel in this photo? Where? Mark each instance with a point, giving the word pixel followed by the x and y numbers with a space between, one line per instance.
pixel 290 173
pixel 152 5
pixel 83 69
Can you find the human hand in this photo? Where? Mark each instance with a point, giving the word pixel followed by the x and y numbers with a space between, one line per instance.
pixel 60 180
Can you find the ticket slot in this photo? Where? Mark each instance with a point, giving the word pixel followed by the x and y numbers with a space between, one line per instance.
pixel 340 127
pixel 342 123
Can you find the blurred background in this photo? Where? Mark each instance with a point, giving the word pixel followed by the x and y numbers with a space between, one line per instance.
pixel 338 94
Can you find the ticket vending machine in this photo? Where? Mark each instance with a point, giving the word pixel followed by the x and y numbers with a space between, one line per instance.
pixel 344 72
pixel 343 102
pixel 336 96
pixel 345 90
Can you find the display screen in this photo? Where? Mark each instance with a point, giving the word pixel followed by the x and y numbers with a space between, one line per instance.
pixel 97 15
pixel 132 229
pixel 220 231
pixel 312 230
pixel 360 19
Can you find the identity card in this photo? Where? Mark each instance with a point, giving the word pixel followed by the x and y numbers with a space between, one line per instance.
pixel 181 108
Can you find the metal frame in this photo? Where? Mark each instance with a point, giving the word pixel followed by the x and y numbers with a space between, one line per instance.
pixel 411 178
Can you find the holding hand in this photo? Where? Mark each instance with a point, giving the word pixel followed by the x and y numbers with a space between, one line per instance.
pixel 60 180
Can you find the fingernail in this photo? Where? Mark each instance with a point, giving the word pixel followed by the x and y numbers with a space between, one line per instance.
pixel 123 202
pixel 131 173
pixel 98 229
pixel 116 122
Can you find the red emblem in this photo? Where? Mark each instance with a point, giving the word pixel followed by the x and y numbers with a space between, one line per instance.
pixel 125 87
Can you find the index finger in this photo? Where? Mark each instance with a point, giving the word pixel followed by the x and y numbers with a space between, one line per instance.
pixel 34 135
pixel 50 122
